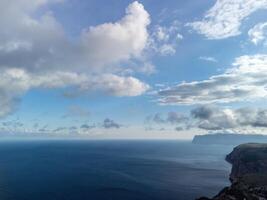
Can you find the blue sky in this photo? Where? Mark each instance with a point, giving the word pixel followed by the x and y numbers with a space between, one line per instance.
pixel 133 69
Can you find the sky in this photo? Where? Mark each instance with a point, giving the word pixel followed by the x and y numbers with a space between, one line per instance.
pixel 123 69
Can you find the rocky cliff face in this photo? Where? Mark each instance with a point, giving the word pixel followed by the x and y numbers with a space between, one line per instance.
pixel 248 175
pixel 248 159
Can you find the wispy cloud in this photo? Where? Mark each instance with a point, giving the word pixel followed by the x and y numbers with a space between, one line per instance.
pixel 164 39
pixel 77 111
pixel 169 118
pixel 224 19
pixel 208 58
pixel 258 34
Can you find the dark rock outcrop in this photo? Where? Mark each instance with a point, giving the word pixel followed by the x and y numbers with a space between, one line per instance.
pixel 248 175
pixel 248 160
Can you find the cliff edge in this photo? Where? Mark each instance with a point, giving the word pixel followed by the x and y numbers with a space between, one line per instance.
pixel 248 175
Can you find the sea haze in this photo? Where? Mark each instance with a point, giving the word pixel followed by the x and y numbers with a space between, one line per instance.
pixel 111 170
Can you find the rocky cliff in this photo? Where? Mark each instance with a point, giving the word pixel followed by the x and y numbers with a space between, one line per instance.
pixel 248 175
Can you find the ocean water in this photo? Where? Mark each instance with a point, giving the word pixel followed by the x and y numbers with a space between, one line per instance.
pixel 111 170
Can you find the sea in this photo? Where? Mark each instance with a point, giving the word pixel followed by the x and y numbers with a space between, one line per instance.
pixel 111 170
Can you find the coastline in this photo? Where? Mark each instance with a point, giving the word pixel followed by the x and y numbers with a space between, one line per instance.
pixel 248 175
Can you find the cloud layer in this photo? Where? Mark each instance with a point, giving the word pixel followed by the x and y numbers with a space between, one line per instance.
pixel 15 82
pixel 244 81
pixel 214 118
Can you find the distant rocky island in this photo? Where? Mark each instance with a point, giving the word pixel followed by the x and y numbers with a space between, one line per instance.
pixel 248 175
pixel 229 139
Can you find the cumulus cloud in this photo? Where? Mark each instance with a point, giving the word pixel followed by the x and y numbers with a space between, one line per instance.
pixel 87 127
pixel 109 123
pixel 176 118
pixel 244 81
pixel 157 118
pixel 211 118
pixel 166 121
pixel 258 33
pixel 215 118
pixel 37 53
pixel 16 82
pixel 113 42
pixel 170 119
pixel 224 19
pixel 42 44
pixel 117 85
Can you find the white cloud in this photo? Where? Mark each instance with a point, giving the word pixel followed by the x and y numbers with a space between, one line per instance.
pixel 258 33
pixel 42 44
pixel 166 121
pixel 113 42
pixel 165 39
pixel 169 118
pixel 109 123
pixel 212 118
pixel 224 19
pixel 215 118
pixel 244 81
pixel 37 53
pixel 207 58
pixel 16 82
pixel 167 49
pixel 115 85
pixel 147 68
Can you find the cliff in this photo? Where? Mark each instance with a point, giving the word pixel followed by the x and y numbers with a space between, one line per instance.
pixel 229 139
pixel 248 175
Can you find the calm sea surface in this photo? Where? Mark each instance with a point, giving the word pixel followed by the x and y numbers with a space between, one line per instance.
pixel 111 170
